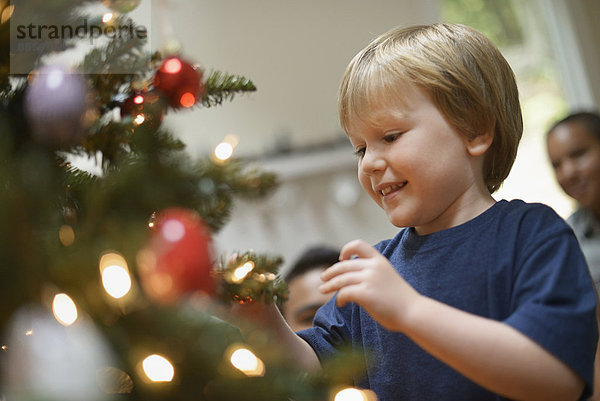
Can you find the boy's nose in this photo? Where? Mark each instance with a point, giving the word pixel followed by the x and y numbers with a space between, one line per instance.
pixel 372 162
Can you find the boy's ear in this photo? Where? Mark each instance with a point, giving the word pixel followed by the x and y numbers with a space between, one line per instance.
pixel 478 145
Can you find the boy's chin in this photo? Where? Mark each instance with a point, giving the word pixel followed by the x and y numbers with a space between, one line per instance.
pixel 399 221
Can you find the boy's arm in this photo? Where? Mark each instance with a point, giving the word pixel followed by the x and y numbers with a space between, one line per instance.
pixel 269 317
pixel 491 353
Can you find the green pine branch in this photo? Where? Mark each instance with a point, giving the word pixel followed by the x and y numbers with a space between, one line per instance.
pixel 220 182
pixel 112 68
pixel 250 277
pixel 220 86
pixel 75 177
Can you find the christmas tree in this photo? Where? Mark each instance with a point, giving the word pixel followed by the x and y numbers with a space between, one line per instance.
pixel 110 284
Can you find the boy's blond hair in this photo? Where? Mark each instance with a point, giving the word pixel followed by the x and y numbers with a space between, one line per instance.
pixel 460 69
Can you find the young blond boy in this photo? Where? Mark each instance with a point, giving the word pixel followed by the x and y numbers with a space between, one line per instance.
pixel 475 299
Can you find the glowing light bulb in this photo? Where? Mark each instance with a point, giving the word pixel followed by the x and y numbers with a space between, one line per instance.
pixel 158 368
pixel 187 99
pixel 139 99
pixel 116 281
pixel 245 361
pixel 64 309
pixel 66 235
pixel 29 333
pixel 223 151
pixel 139 119
pixel 114 273
pixel 354 394
pixel 7 13
pixel 107 17
pixel 152 220
pixel 4 347
pixel 241 272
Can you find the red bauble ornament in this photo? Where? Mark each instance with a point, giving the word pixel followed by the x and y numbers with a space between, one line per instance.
pixel 180 82
pixel 179 257
pixel 144 108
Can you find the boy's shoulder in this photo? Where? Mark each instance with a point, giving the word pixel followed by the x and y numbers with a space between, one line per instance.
pixel 518 206
pixel 515 218
pixel 534 217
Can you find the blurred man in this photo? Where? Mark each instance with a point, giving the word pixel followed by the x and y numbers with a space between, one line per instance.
pixel 303 280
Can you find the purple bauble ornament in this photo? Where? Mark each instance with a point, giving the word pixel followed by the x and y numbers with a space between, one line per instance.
pixel 56 103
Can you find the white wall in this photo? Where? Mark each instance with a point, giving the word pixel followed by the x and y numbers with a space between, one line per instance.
pixel 294 51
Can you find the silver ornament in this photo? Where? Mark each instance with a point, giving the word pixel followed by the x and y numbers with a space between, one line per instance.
pixel 56 103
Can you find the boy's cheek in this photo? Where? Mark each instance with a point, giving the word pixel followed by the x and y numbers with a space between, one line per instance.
pixel 369 190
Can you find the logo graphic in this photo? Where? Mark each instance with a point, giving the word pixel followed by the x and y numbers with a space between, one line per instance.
pixel 96 27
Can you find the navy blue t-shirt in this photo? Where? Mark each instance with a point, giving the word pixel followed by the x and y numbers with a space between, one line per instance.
pixel 517 263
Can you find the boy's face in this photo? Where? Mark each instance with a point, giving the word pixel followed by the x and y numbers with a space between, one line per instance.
pixel 416 167
pixel 575 156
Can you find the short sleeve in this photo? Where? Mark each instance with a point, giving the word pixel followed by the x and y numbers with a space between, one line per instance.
pixel 553 299
pixel 331 329
pixel 335 327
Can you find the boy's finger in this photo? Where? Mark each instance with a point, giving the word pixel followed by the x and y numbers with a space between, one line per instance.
pixel 339 282
pixel 357 248
pixel 344 296
pixel 341 267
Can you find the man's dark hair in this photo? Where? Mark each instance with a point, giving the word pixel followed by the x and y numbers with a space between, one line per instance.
pixel 589 119
pixel 311 258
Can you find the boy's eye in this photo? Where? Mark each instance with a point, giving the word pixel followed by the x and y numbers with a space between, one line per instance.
pixel 389 138
pixel 359 152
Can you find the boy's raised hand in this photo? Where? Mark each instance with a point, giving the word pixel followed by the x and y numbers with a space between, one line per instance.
pixel 366 277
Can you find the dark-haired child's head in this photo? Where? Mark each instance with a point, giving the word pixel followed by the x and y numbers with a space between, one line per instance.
pixel 573 145
pixel 303 279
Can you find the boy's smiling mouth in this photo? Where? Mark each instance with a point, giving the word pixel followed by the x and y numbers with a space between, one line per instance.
pixel 386 189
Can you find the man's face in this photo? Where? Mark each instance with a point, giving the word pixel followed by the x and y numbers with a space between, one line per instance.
pixel 305 298
pixel 575 156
